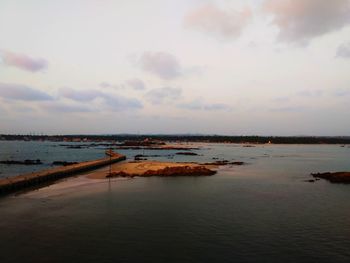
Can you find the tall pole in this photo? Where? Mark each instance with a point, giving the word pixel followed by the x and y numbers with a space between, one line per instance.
pixel 110 160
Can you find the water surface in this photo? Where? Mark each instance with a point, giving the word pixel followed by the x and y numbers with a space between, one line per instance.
pixel 261 212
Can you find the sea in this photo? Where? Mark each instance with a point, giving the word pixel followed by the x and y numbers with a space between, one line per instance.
pixel 263 211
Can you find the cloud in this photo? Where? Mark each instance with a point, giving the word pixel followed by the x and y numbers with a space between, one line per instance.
pixel 136 84
pixel 162 64
pixel 163 95
pixel 66 108
pixel 302 20
pixel 199 105
pixel 22 92
pixel 80 95
pixel 119 103
pixel 218 22
pixel 288 109
pixel 23 62
pixel 341 92
pixel 343 51
pixel 310 93
pixel 111 101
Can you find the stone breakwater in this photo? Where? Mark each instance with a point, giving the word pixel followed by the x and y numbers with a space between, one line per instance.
pixel 20 182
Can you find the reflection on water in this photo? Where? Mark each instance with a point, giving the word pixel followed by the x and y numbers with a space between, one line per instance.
pixel 261 212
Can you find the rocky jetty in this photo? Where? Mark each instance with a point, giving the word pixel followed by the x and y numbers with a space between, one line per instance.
pixel 337 177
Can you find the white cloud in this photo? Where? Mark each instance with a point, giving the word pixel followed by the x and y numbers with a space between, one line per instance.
pixel 216 21
pixel 162 64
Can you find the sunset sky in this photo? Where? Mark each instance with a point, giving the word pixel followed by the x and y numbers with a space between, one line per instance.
pixel 262 67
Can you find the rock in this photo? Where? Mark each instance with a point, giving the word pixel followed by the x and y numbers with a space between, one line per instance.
pixel 64 163
pixel 169 171
pixel 224 162
pixel 25 162
pixel 237 163
pixel 139 158
pixel 337 177
pixel 74 147
pixel 310 181
pixel 186 153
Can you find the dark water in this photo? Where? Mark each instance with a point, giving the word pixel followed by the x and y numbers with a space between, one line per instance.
pixel 261 212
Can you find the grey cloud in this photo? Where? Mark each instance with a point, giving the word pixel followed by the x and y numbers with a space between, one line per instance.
pixel 343 51
pixel 118 103
pixel 80 95
pixel 110 85
pixel 22 92
pixel 219 22
pixel 113 101
pixel 163 95
pixel 310 93
pixel 162 64
pixel 280 99
pixel 216 106
pixel 23 62
pixel 65 108
pixel 302 20
pixel 136 84
pixel 199 105
pixel 341 92
pixel 288 109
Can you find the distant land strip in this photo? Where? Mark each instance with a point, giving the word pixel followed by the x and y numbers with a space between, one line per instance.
pixel 186 138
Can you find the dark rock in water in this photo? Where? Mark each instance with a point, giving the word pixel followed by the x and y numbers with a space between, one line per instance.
pixel 64 163
pixel 139 158
pixel 310 181
pixel 337 177
pixel 225 162
pixel 237 163
pixel 25 162
pixel 215 158
pixel 186 153
pixel 74 147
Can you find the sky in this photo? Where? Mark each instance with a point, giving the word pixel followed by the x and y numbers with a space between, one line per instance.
pixel 232 67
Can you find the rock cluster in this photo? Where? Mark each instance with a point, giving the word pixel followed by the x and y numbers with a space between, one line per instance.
pixel 338 177
pixel 169 171
pixel 25 162
pixel 225 162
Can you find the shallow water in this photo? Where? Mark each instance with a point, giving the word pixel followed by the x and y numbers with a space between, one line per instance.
pixel 260 212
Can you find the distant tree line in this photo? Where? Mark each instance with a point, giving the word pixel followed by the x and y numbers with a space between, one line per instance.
pixel 187 138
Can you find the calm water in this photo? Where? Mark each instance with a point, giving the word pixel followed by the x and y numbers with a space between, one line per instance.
pixel 261 212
